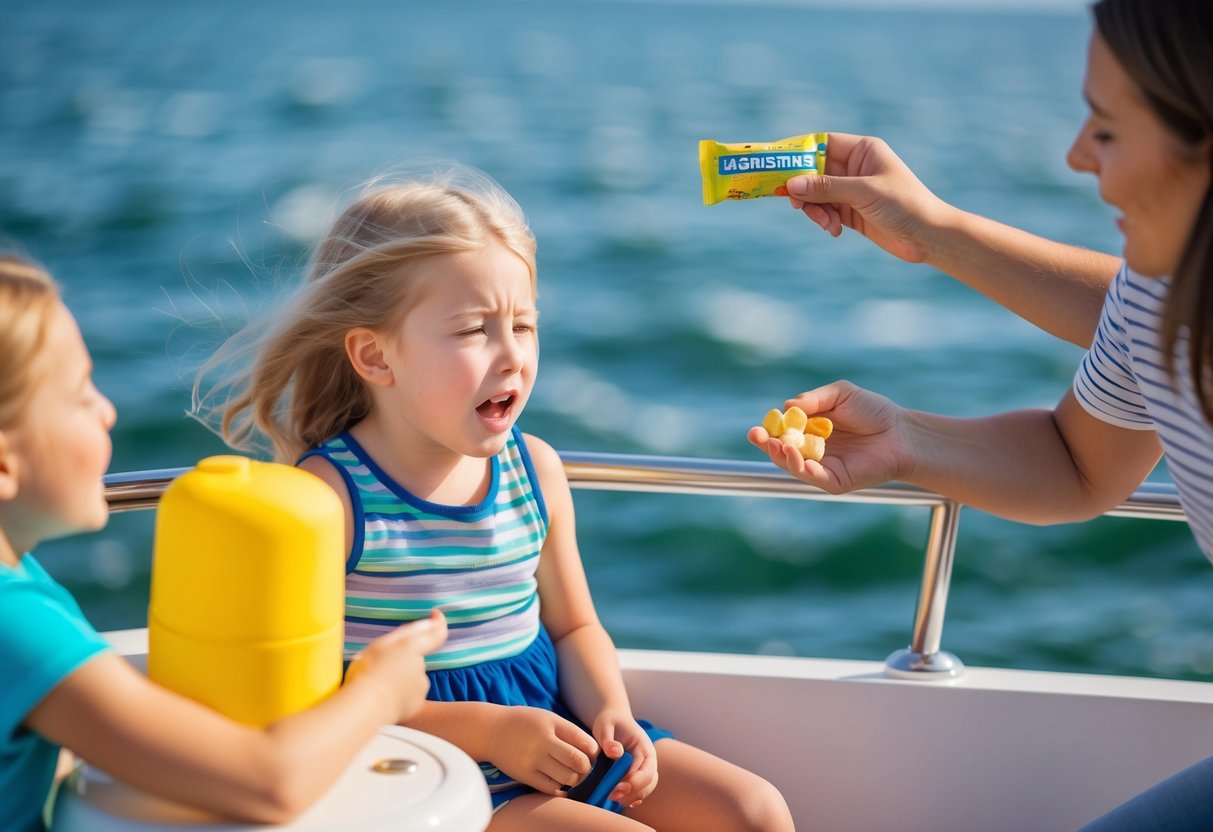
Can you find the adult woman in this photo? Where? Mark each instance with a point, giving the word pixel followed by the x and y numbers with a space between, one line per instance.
pixel 1144 386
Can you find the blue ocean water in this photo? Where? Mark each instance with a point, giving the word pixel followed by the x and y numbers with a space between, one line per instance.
pixel 168 160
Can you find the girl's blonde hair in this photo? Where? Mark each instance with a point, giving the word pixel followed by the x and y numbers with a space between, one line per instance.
pixel 294 384
pixel 28 299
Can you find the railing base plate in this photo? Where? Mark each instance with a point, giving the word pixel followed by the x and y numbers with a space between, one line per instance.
pixel 936 667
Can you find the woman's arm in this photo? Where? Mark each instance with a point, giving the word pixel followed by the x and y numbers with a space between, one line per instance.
pixel 1057 287
pixel 168 745
pixel 1035 466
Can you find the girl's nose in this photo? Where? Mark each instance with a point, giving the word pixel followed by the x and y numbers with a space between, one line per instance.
pixel 109 413
pixel 511 357
pixel 513 354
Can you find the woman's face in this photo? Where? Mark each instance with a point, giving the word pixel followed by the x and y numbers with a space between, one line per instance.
pixel 1154 180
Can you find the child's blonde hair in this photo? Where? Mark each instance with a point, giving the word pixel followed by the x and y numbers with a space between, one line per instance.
pixel 28 299
pixel 297 387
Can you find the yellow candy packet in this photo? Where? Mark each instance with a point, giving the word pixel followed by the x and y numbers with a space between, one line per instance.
pixel 752 169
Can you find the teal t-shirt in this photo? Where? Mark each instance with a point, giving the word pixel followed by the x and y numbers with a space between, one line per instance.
pixel 43 638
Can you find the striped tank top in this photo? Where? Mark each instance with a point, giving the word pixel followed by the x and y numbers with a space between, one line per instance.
pixel 476 563
pixel 1123 381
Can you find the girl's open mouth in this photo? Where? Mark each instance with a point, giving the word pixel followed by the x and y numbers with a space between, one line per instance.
pixel 497 407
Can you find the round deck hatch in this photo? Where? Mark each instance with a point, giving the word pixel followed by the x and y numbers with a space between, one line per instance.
pixel 402 780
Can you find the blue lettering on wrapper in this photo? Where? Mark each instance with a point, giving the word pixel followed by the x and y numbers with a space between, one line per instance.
pixel 748 162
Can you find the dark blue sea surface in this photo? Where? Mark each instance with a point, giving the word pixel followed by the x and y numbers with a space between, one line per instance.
pixel 170 160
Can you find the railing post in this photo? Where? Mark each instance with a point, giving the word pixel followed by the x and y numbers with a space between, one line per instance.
pixel 923 660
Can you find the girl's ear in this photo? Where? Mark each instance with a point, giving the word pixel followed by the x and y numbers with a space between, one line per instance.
pixel 365 351
pixel 8 468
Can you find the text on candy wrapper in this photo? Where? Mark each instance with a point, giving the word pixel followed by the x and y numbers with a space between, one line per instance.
pixel 745 162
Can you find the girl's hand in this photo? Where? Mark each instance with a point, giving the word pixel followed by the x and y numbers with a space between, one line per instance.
pixel 867 187
pixel 541 749
pixel 868 445
pixel 618 732
pixel 396 664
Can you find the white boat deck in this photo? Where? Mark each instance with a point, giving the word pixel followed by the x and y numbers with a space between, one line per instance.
pixel 852 749
pixel 995 750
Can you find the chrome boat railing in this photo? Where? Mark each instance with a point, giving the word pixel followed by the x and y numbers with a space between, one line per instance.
pixel 922 659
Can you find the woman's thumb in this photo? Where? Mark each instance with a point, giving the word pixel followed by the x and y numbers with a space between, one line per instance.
pixel 823 188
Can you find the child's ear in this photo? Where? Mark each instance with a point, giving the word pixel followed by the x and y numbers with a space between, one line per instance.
pixel 365 351
pixel 8 468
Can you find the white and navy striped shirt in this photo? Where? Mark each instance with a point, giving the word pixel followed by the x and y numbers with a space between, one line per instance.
pixel 1123 380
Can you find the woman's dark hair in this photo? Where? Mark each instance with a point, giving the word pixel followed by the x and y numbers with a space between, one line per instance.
pixel 1166 49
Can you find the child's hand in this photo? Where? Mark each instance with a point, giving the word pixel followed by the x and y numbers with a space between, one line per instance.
pixel 618 732
pixel 541 749
pixel 867 446
pixel 396 663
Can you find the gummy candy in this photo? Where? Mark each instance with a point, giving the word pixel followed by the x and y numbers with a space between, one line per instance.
pixel 807 435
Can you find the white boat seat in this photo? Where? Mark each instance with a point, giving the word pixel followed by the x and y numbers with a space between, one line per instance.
pixel 403 780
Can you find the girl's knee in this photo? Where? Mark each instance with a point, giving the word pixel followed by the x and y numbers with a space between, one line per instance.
pixel 558 814
pixel 748 803
pixel 761 807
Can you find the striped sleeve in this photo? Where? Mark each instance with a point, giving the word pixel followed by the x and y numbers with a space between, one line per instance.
pixel 1105 384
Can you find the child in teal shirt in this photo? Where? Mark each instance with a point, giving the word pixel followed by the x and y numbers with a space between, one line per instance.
pixel 61 684
pixel 45 639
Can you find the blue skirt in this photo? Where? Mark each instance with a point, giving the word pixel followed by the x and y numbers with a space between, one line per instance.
pixel 530 678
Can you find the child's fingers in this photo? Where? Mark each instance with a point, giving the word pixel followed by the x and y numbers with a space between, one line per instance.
pixel 424 636
pixel 572 759
pixel 545 783
pixel 569 733
pixel 642 779
pixel 644 758
pixel 622 789
pixel 610 746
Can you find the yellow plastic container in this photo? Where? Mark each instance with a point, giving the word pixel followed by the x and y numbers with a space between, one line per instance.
pixel 247 595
